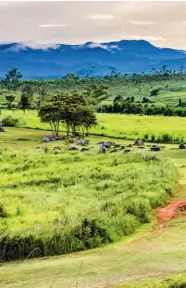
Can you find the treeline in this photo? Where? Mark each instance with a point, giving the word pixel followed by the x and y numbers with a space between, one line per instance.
pixel 145 108
pixel 14 79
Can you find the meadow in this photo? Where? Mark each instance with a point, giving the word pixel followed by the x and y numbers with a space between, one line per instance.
pixel 158 129
pixel 57 201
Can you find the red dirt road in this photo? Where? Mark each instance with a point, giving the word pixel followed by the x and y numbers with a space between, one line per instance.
pixel 172 210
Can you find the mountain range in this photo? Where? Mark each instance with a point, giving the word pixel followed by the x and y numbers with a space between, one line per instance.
pixel 95 59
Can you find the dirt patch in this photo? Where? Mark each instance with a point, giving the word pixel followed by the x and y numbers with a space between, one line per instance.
pixel 172 210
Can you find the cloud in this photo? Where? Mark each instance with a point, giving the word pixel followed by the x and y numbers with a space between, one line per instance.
pixel 39 45
pixel 148 38
pixel 143 22
pixel 93 45
pixel 52 25
pixel 101 17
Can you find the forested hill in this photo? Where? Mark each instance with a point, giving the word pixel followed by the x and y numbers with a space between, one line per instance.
pixel 95 59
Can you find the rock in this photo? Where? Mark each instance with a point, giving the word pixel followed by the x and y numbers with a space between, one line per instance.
pixel 52 138
pixel 139 142
pixel 80 142
pixel 73 148
pixel 126 151
pixel 155 148
pixel 84 149
pixel 102 149
pixel 106 144
pixel 101 142
pixel 45 139
pixel 87 142
pixel 130 145
pixel 181 146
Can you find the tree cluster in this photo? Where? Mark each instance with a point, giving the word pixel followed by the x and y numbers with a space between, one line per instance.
pixel 71 110
pixel 144 108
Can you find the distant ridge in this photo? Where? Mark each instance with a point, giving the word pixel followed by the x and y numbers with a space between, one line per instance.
pixel 96 59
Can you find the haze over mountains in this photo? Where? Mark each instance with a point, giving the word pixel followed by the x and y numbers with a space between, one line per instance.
pixel 98 59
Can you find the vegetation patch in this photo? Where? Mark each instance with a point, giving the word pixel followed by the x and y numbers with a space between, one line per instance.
pixel 71 201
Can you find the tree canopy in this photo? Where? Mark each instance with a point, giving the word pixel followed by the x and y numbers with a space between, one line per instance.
pixel 70 109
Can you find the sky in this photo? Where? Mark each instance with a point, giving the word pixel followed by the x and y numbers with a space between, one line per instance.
pixel 43 24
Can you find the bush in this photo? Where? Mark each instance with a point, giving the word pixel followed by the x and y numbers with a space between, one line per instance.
pixel 10 121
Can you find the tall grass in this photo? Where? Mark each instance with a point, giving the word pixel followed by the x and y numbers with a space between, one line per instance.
pixel 71 201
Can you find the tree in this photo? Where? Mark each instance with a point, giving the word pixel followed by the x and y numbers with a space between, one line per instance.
pixel 118 98
pixel 27 89
pixel 70 109
pixel 24 102
pixel 10 99
pixel 26 97
pixel 50 111
pixel 12 78
pixel 95 94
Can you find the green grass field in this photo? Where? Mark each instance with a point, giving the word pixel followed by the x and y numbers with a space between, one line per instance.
pixel 46 196
pixel 67 201
pixel 151 128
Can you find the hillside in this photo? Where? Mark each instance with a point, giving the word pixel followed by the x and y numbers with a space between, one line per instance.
pixel 126 56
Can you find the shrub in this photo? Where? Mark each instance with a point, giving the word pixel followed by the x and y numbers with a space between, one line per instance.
pixel 10 121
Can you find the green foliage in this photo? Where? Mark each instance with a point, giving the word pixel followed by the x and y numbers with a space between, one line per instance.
pixel 10 121
pixel 12 79
pixel 72 201
pixel 71 109
pixel 95 94
pixel 10 99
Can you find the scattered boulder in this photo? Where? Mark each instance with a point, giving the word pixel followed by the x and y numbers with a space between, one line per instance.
pixel 87 142
pixel 181 146
pixel 101 142
pixel 73 148
pixel 84 149
pixel 45 139
pixel 126 151
pixel 130 145
pixel 139 142
pixel 102 149
pixel 155 148
pixel 80 142
pixel 106 145
pixel 52 138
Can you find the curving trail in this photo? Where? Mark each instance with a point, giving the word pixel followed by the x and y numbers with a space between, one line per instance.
pixel 172 210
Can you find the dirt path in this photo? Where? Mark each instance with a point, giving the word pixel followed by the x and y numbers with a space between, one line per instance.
pixel 172 210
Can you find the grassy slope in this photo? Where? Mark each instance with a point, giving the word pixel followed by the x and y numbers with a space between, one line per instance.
pixel 136 257
pixel 170 91
pixel 52 188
